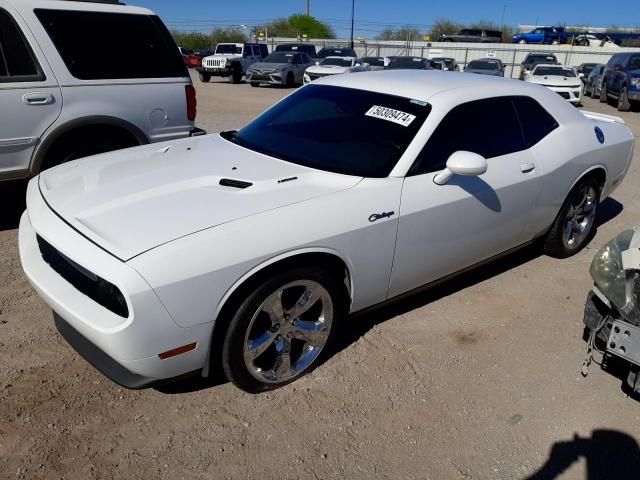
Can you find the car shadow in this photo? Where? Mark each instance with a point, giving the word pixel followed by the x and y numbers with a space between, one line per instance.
pixel 12 203
pixel 609 454
pixel 361 322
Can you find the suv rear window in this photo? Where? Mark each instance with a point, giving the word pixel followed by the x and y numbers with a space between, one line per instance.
pixel 101 46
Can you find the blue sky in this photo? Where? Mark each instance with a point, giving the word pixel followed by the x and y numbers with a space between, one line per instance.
pixel 374 15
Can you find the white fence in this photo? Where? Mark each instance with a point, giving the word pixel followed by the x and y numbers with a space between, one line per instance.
pixel 510 54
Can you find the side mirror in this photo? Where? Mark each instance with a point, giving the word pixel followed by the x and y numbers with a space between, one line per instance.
pixel 581 75
pixel 463 163
pixel 317 63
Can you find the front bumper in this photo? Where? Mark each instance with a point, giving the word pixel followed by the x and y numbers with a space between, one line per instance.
pixel 215 72
pixel 571 94
pixel 634 95
pixel 265 78
pixel 134 343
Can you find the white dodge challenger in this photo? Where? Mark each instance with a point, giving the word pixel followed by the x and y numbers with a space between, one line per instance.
pixel 248 248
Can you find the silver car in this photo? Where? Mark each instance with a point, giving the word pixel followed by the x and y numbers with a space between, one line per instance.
pixel 279 68
pixel 486 66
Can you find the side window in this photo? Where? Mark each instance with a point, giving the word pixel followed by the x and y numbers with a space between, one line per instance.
pixel 613 60
pixel 256 51
pixel 488 127
pixel 536 122
pixel 17 62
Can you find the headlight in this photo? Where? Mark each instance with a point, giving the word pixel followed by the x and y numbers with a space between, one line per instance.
pixel 607 270
pixel 306 78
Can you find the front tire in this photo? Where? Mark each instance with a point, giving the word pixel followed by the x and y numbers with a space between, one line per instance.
pixel 574 226
pixel 290 80
pixel 281 329
pixel 236 74
pixel 522 41
pixel 624 105
pixel 603 93
pixel 204 77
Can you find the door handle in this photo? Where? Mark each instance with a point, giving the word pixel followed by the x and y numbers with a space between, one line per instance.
pixel 527 167
pixel 37 98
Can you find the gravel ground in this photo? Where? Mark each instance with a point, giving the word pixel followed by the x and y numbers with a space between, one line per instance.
pixel 476 379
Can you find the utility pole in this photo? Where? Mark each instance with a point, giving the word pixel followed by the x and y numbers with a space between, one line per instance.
pixel 502 21
pixel 308 7
pixel 353 10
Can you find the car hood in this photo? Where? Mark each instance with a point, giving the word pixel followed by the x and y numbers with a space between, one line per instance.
pixel 268 65
pixel 328 69
pixel 555 81
pixel 131 201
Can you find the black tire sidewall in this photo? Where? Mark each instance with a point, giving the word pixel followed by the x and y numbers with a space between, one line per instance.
pixel 232 349
pixel 553 244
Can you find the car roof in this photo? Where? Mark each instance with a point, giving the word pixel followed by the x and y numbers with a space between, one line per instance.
pixel 424 84
pixel 78 6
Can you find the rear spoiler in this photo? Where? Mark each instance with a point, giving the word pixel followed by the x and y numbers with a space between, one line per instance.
pixel 603 117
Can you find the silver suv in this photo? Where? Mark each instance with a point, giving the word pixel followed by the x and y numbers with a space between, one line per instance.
pixel 79 78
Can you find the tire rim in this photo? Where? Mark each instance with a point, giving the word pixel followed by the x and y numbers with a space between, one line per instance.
pixel 288 331
pixel 579 218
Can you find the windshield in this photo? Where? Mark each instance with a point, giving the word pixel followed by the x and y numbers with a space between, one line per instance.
pixel 228 48
pixel 342 130
pixel 336 52
pixel 477 65
pixel 541 59
pixel 374 61
pixel 560 71
pixel 340 62
pixel 407 62
pixel 279 57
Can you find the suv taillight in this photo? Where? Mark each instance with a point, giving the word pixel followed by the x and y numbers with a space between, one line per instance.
pixel 191 102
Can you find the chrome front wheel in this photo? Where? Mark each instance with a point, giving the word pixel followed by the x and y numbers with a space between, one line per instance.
pixel 282 328
pixel 288 331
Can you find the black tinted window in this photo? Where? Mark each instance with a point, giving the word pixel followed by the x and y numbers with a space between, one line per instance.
pixel 98 45
pixel 488 127
pixel 343 130
pixel 536 122
pixel 17 63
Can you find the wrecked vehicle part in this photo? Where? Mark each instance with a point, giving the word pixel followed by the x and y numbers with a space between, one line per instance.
pixel 612 312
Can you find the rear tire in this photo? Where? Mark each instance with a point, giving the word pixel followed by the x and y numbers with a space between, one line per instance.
pixel 624 105
pixel 85 142
pixel 204 77
pixel 574 225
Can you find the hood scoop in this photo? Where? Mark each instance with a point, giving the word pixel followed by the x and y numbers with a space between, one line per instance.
pixel 230 182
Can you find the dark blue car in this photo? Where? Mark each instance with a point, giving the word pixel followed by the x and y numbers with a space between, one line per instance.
pixel 621 80
pixel 544 35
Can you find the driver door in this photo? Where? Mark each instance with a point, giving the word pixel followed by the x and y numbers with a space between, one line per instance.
pixel 446 228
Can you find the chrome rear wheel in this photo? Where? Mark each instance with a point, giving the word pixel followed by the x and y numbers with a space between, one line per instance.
pixel 579 217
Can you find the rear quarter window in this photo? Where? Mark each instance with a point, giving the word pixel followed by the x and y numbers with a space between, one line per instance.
pixel 107 46
pixel 536 122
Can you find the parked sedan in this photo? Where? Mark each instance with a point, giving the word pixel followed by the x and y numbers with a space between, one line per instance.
pixel 584 69
pixel 336 52
pixel 375 63
pixel 593 81
pixel 334 66
pixel 533 59
pixel 448 62
pixel 249 248
pixel 279 68
pixel 409 63
pixel 562 80
pixel 486 66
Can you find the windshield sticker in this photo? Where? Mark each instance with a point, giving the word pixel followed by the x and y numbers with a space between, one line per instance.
pixel 391 115
pixel 418 102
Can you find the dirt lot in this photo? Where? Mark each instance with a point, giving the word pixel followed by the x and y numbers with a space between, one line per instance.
pixel 477 379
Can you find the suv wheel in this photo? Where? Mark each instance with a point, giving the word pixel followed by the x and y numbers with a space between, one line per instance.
pixel 204 77
pixel 236 73
pixel 603 93
pixel 555 41
pixel 623 100
pixel 522 41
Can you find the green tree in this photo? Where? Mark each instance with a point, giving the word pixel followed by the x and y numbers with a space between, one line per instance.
pixel 403 34
pixel 444 26
pixel 192 40
pixel 227 35
pixel 297 24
